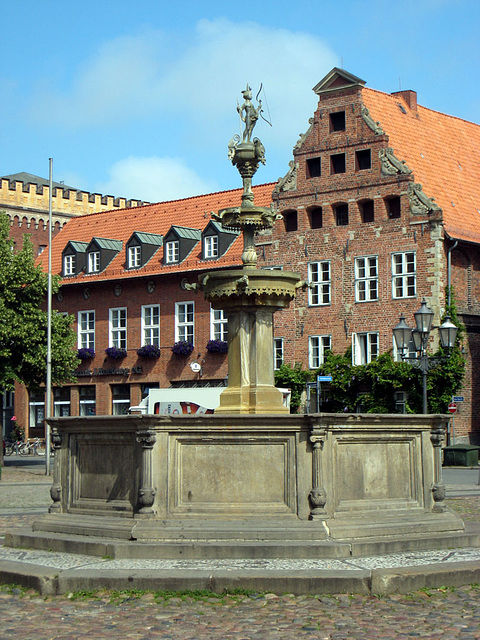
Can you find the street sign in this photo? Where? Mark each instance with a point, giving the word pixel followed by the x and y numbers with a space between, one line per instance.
pixel 324 378
pixel 452 407
pixel 458 399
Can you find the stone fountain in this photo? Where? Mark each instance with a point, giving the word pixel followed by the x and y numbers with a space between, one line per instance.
pixel 250 480
pixel 249 296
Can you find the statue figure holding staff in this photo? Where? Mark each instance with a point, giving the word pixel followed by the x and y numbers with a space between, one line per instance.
pixel 249 114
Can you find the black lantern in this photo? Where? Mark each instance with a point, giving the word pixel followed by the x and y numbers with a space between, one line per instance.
pixel 424 318
pixel 448 333
pixel 402 334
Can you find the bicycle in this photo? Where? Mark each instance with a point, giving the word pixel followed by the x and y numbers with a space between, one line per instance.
pixel 36 446
pixel 14 447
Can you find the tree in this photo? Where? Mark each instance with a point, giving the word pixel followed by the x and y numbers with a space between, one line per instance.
pixel 23 322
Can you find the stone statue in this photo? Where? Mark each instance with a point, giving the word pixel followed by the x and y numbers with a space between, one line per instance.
pixel 249 114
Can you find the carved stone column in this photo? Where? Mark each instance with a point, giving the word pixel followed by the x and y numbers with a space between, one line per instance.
pixel 146 494
pixel 437 437
pixel 56 488
pixel 318 495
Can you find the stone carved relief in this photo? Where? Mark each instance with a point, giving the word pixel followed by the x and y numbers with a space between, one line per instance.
pixel 420 203
pixel 370 122
pixel 303 136
pixel 390 164
pixel 289 181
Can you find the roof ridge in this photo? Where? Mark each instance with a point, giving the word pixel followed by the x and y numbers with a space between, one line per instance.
pixel 421 106
pixel 201 195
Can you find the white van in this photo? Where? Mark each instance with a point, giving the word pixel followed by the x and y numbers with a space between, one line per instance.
pixel 186 401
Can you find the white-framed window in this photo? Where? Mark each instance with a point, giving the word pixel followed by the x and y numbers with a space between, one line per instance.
pixel 278 354
pixel 94 261
pixel 366 279
pixel 210 246
pixel 320 283
pixel 364 347
pixel 172 251
pixel 69 265
pixel 86 330
pixel 120 399
pixel 404 275
pixel 118 328
pixel 151 325
pixel 87 402
pixel 134 257
pixel 318 346
pixel 61 401
pixel 218 325
pixel 184 321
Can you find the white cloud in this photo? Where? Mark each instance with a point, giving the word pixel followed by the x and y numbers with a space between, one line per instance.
pixel 152 75
pixel 154 180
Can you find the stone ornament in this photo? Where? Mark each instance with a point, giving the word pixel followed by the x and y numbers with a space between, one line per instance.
pixel 303 136
pixel 390 164
pixel 370 122
pixel 289 181
pixel 420 203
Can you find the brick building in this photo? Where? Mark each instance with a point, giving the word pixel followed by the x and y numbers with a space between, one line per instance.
pixel 380 209
pixel 24 197
pixel 122 275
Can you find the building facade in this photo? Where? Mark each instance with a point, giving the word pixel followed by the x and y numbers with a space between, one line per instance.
pixel 380 209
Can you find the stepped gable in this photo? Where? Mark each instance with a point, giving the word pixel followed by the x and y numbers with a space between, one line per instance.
pixel 156 218
pixel 443 152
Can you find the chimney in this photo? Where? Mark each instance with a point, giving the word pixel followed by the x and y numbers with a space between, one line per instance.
pixel 409 96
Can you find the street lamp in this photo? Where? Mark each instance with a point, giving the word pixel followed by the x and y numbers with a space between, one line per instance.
pixel 403 334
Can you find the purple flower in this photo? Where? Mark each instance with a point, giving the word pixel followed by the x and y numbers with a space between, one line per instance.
pixel 217 346
pixel 182 348
pixel 149 351
pixel 85 353
pixel 116 353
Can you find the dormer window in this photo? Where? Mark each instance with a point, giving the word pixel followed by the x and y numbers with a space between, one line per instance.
pixel 94 262
pixel 210 247
pixel 172 251
pixel 73 258
pixel 216 240
pixel 134 257
pixel 141 247
pixel 100 253
pixel 69 265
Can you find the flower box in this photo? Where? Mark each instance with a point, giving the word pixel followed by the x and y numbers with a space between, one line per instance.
pixel 182 348
pixel 116 353
pixel 217 346
pixel 85 353
pixel 149 351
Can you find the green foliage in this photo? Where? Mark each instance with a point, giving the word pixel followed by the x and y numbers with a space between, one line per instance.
pixel 369 388
pixel 295 379
pixel 446 378
pixel 23 323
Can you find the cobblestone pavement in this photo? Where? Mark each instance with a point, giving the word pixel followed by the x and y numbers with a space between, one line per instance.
pixel 436 614
pixel 439 614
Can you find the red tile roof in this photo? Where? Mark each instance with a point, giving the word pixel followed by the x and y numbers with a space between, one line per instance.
pixel 154 218
pixel 442 151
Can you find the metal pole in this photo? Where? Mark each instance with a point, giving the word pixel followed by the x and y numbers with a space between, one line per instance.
pixel 48 389
pixel 424 385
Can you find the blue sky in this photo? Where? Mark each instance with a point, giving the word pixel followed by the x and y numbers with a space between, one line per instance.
pixel 137 98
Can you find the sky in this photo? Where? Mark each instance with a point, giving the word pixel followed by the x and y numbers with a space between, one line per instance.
pixel 137 98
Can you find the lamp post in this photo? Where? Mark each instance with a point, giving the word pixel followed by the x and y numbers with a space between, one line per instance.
pixel 403 334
